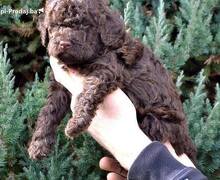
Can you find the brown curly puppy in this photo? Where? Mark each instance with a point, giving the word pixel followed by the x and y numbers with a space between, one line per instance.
pixel 86 35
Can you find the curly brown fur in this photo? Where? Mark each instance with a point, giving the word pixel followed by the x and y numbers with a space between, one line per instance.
pixel 86 35
pixel 58 104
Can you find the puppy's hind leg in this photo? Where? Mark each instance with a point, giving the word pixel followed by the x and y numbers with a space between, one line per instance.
pixel 52 113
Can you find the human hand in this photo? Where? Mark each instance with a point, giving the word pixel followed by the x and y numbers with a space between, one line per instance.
pixel 115 125
pixel 116 172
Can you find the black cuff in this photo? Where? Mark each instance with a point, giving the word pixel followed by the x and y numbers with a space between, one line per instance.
pixel 156 163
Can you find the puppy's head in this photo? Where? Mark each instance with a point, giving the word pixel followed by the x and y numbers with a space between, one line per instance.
pixel 78 31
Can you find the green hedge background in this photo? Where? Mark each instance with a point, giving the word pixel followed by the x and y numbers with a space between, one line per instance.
pixel 185 34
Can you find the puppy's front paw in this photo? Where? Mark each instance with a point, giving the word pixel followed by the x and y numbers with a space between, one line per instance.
pixel 39 149
pixel 74 127
pixel 71 129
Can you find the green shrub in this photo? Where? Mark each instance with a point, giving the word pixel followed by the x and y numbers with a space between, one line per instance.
pixel 185 34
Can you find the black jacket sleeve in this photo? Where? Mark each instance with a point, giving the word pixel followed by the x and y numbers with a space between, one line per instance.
pixel 156 163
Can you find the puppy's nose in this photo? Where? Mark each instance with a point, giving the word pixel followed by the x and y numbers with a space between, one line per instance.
pixel 65 44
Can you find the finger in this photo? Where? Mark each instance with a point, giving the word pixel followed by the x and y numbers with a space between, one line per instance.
pixel 114 176
pixel 110 164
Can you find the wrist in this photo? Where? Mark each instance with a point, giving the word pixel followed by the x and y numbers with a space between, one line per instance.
pixel 131 148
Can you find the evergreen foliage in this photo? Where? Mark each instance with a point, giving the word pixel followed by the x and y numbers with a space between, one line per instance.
pixel 11 119
pixel 20 33
pixel 190 31
pixel 77 159
pixel 192 26
pixel 185 34
pixel 204 123
pixel 134 18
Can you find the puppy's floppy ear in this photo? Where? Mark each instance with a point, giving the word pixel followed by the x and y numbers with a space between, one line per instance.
pixel 42 27
pixel 131 51
pixel 112 29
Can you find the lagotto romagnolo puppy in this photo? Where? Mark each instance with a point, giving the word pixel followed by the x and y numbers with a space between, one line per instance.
pixel 88 36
